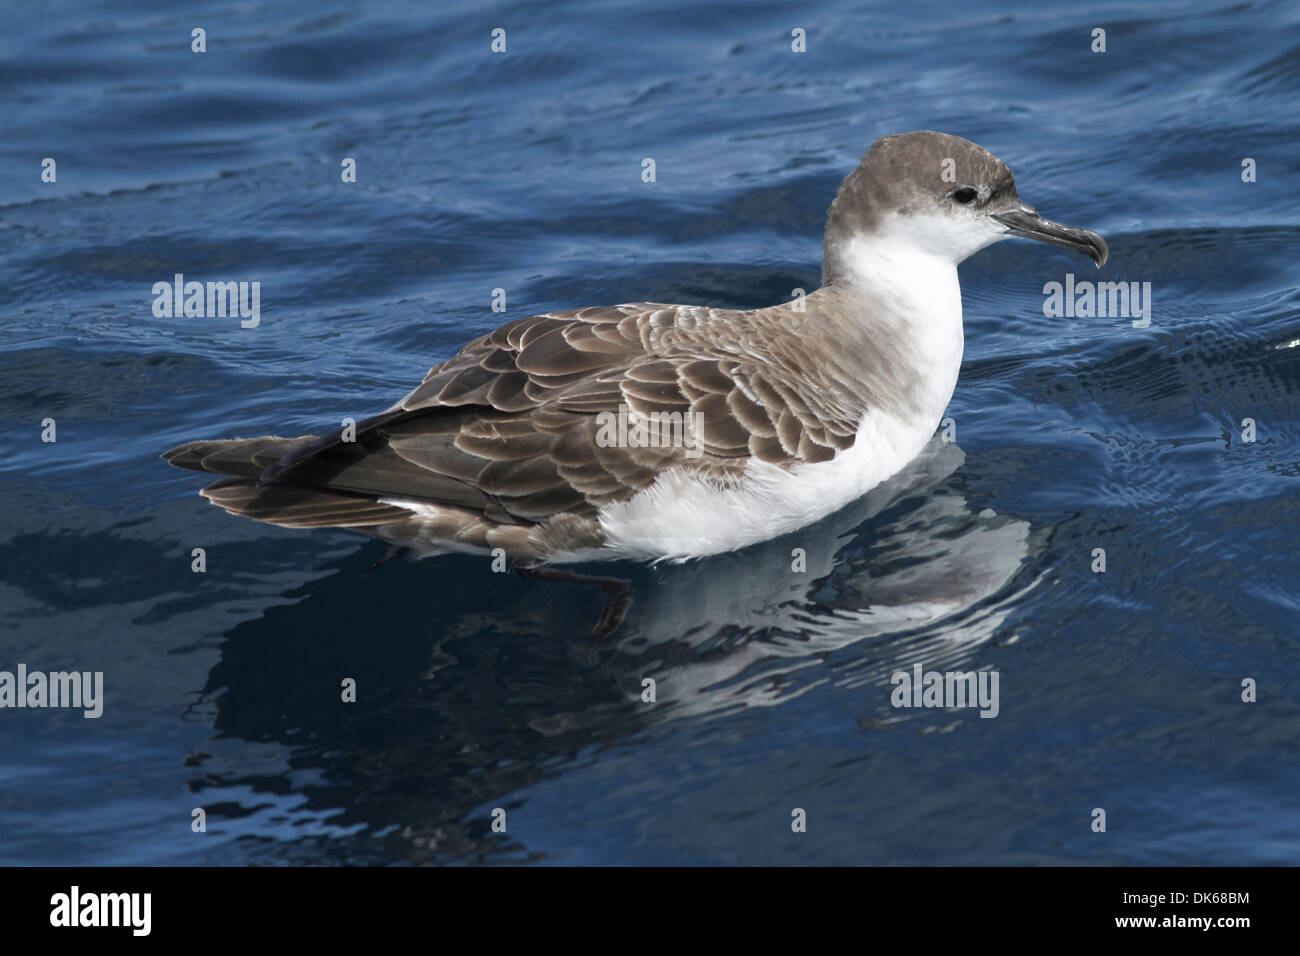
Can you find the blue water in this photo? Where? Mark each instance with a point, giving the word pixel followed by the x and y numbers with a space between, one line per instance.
pixel 1119 690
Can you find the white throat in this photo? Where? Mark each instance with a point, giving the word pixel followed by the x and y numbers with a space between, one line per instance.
pixel 948 237
pixel 912 298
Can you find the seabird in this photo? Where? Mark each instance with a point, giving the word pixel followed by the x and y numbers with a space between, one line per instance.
pixel 790 412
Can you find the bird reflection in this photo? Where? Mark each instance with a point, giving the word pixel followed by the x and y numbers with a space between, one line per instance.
pixel 900 576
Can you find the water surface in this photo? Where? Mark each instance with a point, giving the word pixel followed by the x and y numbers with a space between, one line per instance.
pixel 522 171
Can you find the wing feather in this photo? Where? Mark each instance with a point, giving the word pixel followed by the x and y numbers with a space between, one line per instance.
pixel 512 426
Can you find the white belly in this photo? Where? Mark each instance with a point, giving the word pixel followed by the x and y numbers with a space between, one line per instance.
pixel 682 516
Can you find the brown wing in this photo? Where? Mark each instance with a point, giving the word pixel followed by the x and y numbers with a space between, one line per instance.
pixel 512 426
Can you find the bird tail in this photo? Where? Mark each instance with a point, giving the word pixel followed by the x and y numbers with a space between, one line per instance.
pixel 245 457
pixel 243 460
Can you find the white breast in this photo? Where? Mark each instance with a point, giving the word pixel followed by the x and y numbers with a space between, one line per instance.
pixel 682 516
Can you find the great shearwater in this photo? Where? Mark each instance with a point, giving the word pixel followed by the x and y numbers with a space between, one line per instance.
pixel 652 432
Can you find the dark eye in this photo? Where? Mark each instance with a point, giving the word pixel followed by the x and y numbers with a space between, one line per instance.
pixel 965 195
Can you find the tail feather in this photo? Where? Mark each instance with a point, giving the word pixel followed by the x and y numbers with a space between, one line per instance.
pixel 244 460
pixel 293 506
pixel 245 457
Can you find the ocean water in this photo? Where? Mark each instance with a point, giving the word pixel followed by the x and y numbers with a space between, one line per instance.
pixel 478 692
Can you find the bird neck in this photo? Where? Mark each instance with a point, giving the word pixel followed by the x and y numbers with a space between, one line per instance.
pixel 899 309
